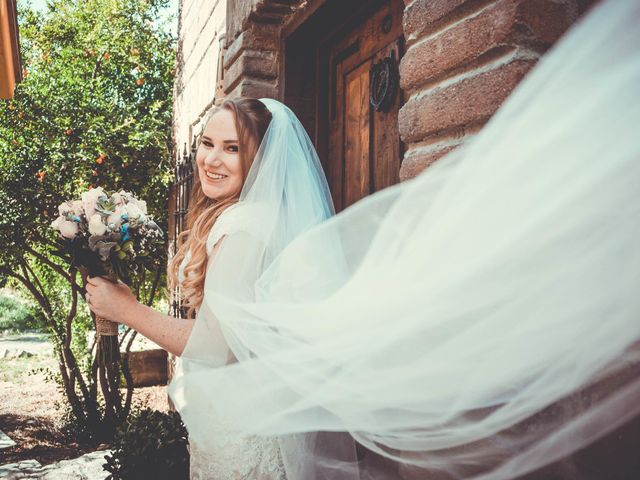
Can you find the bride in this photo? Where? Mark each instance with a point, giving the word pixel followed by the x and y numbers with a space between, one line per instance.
pixel 479 321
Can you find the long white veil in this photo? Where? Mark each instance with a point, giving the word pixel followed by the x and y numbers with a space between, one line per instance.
pixel 479 321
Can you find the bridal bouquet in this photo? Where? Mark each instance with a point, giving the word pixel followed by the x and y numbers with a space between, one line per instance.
pixel 108 234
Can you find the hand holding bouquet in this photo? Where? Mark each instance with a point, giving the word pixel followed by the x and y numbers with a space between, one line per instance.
pixel 112 235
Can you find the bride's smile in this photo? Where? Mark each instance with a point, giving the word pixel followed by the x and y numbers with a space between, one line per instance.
pixel 215 176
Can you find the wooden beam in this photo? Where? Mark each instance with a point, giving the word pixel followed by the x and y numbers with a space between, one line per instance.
pixel 10 63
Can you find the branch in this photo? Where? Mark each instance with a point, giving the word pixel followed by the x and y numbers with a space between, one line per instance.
pixel 69 389
pixel 156 281
pixel 142 277
pixel 94 374
pixel 130 343
pixel 71 360
pixel 37 281
pixel 45 301
pixel 27 283
pixel 74 305
pixel 129 380
pixel 48 242
pixel 13 274
pixel 127 373
pixel 55 267
pixel 124 336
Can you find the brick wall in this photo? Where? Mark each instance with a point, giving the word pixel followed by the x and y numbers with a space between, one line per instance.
pixel 253 58
pixel 201 34
pixel 463 58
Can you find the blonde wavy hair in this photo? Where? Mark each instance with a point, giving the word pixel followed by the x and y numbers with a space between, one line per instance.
pixel 251 119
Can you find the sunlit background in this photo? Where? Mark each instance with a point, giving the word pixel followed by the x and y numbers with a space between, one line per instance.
pixel 170 14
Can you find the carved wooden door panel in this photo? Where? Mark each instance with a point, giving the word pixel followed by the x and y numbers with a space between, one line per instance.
pixel 364 143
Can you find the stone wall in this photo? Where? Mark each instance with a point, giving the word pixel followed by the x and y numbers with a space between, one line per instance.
pixel 201 34
pixel 253 57
pixel 463 58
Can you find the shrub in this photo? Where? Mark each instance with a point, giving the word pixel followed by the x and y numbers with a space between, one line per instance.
pixel 16 315
pixel 150 444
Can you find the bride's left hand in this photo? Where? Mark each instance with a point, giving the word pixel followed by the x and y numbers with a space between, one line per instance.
pixel 108 299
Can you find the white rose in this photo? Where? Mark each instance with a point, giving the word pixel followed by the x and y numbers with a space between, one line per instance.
pixel 67 229
pixel 134 211
pixel 115 218
pixel 142 205
pixel 64 208
pixel 96 227
pixel 89 200
pixel 77 208
pixel 126 196
pixel 117 199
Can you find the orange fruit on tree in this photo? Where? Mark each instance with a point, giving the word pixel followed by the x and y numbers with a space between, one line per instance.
pixel 140 81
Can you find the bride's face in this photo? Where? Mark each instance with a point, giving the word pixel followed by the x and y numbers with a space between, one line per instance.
pixel 217 157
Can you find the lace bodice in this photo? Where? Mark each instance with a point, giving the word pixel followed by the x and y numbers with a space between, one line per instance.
pixel 231 456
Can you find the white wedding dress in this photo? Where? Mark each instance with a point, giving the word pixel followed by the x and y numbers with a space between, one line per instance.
pixel 233 456
pixel 477 322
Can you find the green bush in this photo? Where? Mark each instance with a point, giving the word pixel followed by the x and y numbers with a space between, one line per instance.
pixel 16 315
pixel 150 444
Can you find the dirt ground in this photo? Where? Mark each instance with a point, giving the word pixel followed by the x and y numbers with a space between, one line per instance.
pixel 28 411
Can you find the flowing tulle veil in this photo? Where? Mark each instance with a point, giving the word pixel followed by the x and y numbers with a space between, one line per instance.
pixel 479 321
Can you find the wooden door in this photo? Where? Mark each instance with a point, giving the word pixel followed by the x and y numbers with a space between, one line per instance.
pixel 364 144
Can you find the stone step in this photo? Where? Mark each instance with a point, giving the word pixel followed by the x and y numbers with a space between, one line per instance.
pixel 5 441
pixel 86 467
pixel 15 470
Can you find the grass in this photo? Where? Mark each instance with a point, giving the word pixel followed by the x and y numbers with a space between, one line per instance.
pixel 17 370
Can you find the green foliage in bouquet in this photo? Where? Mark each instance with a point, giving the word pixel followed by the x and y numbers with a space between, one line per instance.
pixel 151 444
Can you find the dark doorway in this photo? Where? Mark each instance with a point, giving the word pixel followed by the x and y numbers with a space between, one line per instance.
pixel 342 83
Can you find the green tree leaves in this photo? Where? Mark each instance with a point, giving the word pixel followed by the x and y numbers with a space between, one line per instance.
pixel 94 109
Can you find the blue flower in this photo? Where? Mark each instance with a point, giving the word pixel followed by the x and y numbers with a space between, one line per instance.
pixel 125 232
